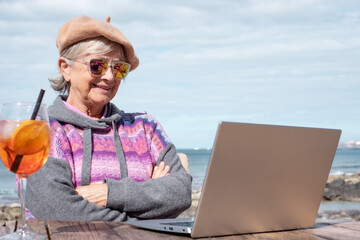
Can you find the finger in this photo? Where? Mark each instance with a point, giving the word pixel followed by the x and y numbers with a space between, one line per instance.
pixel 156 172
pixel 165 171
pixel 160 168
pixel 161 165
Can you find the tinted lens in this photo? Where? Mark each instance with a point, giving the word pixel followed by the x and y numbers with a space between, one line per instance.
pixel 98 66
pixel 121 70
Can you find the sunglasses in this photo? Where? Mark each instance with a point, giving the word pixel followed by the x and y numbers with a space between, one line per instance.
pixel 99 66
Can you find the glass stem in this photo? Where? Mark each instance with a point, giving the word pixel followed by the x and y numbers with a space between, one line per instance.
pixel 22 195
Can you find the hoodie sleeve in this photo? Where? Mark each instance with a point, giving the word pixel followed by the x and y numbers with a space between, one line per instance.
pixel 51 195
pixel 155 198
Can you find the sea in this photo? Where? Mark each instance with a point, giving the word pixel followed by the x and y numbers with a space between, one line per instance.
pixel 346 161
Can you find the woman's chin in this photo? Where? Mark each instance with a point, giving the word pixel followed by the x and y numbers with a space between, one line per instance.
pixel 102 97
pixel 101 100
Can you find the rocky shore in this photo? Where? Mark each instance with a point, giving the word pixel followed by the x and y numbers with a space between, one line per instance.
pixel 9 211
pixel 338 188
pixel 343 188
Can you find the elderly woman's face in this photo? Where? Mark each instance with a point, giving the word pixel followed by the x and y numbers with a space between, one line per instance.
pixel 91 90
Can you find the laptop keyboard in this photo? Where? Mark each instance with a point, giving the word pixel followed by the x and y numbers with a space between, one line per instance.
pixel 183 224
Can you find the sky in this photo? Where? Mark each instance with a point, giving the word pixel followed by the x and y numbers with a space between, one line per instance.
pixel 273 62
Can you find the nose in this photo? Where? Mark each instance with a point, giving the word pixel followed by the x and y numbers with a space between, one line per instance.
pixel 108 74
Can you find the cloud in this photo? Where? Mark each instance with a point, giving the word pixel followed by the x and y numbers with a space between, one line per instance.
pixel 279 62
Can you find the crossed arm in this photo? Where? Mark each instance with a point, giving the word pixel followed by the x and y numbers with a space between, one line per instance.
pixel 97 192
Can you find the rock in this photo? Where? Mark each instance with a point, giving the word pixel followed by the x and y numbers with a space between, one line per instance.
pixel 195 195
pixel 184 159
pixel 340 214
pixel 354 178
pixel 337 183
pixel 343 188
pixel 354 213
pixel 9 212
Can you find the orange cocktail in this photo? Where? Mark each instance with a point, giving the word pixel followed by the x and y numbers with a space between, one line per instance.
pixel 24 147
pixel 27 140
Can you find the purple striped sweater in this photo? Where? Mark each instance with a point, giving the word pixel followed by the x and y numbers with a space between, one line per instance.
pixel 120 149
pixel 142 141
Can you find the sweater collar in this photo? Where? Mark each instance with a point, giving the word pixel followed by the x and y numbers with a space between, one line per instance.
pixel 62 113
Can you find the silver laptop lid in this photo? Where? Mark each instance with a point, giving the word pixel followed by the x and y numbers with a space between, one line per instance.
pixel 264 178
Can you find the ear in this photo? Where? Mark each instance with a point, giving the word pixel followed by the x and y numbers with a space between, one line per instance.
pixel 64 68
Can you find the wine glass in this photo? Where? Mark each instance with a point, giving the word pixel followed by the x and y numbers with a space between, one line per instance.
pixel 24 148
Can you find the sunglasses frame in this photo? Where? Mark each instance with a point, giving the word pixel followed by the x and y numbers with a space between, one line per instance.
pixel 109 63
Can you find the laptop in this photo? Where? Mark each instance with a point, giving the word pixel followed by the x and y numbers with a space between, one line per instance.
pixel 260 178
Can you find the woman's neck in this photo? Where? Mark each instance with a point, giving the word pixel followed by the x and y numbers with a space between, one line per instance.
pixel 96 113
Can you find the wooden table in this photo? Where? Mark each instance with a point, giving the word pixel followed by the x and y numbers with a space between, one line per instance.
pixel 323 229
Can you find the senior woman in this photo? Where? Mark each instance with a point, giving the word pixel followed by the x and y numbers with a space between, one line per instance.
pixel 104 164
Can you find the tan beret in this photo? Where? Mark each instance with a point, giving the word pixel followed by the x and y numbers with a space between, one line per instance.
pixel 83 27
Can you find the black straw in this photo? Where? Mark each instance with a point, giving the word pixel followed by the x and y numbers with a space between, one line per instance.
pixel 38 103
pixel 18 158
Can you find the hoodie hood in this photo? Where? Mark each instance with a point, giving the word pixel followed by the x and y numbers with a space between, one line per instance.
pixel 61 113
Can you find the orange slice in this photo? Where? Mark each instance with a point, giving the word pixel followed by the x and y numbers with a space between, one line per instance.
pixel 30 137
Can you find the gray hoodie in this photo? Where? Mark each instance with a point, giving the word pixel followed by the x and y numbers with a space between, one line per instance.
pixel 51 194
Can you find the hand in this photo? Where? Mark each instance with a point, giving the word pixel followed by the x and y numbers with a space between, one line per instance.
pixel 160 171
pixel 95 193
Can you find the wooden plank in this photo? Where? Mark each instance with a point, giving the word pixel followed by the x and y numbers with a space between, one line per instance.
pixel 80 230
pixel 102 230
pixel 329 229
pixel 292 234
pixel 335 230
pixel 131 232
pixel 37 226
pixel 7 227
pixel 295 234
pixel 351 225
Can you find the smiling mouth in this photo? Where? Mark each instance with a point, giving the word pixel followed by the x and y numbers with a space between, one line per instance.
pixel 102 87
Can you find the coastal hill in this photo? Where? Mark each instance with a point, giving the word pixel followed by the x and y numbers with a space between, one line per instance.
pixel 350 144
